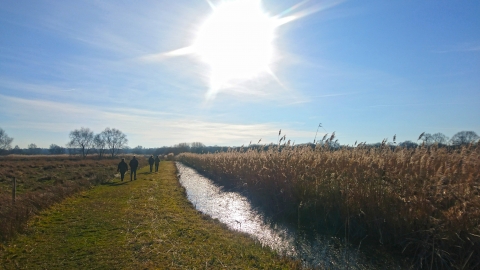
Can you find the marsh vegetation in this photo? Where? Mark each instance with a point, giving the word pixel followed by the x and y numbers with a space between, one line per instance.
pixel 423 202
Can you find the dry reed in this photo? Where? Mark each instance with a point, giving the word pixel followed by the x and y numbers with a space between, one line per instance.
pixel 423 201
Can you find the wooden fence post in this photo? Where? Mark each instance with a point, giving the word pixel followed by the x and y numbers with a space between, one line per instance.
pixel 14 189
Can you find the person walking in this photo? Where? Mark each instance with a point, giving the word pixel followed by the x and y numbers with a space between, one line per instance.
pixel 122 168
pixel 133 168
pixel 157 162
pixel 151 161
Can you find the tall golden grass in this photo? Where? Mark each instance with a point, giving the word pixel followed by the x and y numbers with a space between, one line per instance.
pixel 424 201
pixel 43 181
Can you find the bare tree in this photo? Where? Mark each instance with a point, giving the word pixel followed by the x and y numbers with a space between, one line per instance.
pixel 138 149
pixel 464 137
pixel 56 149
pixel 33 149
pixel 5 141
pixel 181 148
pixel 439 138
pixel 197 145
pixel 115 140
pixel 427 138
pixel 81 138
pixel 17 150
pixel 100 144
pixel 408 144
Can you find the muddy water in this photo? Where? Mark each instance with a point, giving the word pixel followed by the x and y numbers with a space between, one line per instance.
pixel 235 211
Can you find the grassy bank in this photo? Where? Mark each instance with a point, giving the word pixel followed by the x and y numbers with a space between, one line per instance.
pixel 143 224
pixel 43 181
pixel 423 202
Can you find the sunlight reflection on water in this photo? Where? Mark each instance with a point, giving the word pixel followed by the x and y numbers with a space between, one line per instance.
pixel 235 211
pixel 231 209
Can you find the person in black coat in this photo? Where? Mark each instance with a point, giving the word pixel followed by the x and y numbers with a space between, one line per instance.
pixel 122 168
pixel 151 161
pixel 133 168
pixel 157 162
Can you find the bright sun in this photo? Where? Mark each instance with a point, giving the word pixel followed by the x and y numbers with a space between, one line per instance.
pixel 236 41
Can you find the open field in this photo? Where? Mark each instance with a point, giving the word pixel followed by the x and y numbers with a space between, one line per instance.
pixel 45 180
pixel 424 202
pixel 142 224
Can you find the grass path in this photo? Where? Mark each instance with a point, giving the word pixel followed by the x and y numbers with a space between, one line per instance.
pixel 142 224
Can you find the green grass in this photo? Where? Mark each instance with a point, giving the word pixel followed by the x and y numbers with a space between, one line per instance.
pixel 143 224
pixel 45 180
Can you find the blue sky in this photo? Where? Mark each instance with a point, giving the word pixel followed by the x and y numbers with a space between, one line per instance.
pixel 364 69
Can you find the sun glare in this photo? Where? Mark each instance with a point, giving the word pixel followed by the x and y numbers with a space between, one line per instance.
pixel 236 41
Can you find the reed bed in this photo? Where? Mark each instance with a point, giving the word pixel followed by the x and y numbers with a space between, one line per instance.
pixel 423 202
pixel 43 181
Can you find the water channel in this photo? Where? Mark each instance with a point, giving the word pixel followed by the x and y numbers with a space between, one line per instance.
pixel 235 211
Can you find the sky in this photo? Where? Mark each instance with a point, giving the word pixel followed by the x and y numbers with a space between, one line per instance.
pixel 167 72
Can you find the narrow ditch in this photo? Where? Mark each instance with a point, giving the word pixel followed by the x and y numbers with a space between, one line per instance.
pixel 236 212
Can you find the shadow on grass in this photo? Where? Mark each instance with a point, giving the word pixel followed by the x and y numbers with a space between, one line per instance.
pixel 113 184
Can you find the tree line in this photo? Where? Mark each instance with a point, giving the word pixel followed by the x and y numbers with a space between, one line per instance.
pixel 111 141
pixel 460 138
pixel 82 141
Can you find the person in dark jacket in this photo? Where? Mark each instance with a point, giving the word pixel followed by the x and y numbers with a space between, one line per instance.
pixel 122 168
pixel 157 162
pixel 133 168
pixel 151 161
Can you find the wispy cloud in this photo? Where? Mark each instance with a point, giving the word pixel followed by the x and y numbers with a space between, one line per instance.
pixel 143 127
pixel 466 47
pixel 159 57
pixel 305 11
pixel 45 89
pixel 333 95
pixel 422 104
